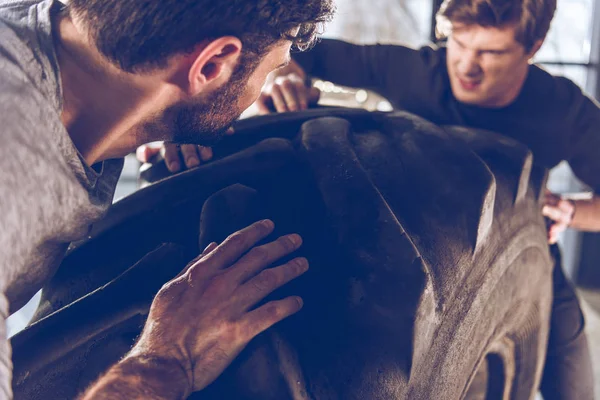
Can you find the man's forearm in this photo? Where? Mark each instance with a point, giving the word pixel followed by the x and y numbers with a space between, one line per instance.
pixel 587 215
pixel 353 65
pixel 137 378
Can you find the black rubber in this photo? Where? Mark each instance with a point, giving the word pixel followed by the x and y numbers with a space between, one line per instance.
pixel 430 274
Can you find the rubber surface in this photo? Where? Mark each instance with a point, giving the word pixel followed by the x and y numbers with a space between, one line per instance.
pixel 430 274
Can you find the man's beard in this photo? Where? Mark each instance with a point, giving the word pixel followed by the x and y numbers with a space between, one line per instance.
pixel 206 120
pixel 203 120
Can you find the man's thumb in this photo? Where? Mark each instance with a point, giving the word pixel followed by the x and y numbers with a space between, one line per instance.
pixel 145 153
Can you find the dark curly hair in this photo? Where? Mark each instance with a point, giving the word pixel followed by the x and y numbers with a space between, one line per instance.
pixel 143 34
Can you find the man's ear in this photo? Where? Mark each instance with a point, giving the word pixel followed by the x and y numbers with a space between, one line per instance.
pixel 214 63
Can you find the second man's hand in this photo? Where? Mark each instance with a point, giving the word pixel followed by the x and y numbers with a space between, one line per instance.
pixel 286 91
pixel 286 94
pixel 560 211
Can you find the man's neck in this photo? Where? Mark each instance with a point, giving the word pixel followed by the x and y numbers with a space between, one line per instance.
pixel 513 93
pixel 103 106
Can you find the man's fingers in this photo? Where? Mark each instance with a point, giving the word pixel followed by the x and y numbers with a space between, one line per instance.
pixel 551 201
pixel 554 214
pixel 553 234
pixel 262 104
pixel 261 319
pixel 303 99
pixel 555 230
pixel 172 157
pixel 291 96
pixel 189 153
pixel 206 153
pixel 193 154
pixel 278 99
pixel 566 206
pixel 209 249
pixel 228 252
pixel 287 93
pixel 269 280
pixel 314 95
pixel 262 256
pixel 204 253
pixel 146 153
pixel 551 198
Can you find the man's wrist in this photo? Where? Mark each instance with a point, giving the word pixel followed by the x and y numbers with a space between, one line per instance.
pixel 163 372
pixel 142 376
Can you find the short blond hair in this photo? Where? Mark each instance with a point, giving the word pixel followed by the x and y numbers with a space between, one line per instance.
pixel 531 17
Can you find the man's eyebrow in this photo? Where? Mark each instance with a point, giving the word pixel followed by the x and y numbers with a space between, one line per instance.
pixel 496 50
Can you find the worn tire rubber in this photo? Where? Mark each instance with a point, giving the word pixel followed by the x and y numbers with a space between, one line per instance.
pixel 430 274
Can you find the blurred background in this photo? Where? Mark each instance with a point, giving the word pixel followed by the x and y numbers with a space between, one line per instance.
pixel 572 50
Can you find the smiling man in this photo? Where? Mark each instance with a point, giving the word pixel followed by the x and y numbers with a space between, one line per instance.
pixel 484 79
pixel 85 84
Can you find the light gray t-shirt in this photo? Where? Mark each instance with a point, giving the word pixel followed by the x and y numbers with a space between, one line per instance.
pixel 49 197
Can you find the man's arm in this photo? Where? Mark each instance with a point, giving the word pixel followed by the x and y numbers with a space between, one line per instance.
pixel 587 215
pixel 585 163
pixel 395 72
pixel 372 66
pixel 201 320
pixel 573 211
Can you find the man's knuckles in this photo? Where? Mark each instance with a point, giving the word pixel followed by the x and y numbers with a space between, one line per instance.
pixel 287 86
pixel 238 240
pixel 260 254
pixel 274 312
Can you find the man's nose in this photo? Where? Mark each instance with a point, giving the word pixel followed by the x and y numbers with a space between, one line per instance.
pixel 468 65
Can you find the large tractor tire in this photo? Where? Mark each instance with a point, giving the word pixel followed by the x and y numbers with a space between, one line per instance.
pixel 430 274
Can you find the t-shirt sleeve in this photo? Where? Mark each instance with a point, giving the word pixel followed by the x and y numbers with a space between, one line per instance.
pixel 584 158
pixel 389 70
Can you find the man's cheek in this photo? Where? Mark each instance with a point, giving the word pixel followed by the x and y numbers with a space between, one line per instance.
pixel 246 102
pixel 251 95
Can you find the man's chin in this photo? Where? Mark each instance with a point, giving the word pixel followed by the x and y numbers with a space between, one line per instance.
pixel 468 97
pixel 201 138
